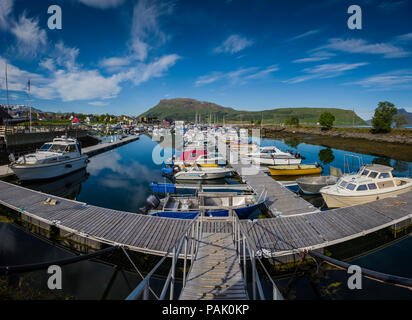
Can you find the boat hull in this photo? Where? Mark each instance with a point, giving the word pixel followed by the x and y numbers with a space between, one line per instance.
pixel 200 175
pixel 294 172
pixel 336 201
pixel 273 162
pixel 50 170
pixel 248 212
pixel 313 185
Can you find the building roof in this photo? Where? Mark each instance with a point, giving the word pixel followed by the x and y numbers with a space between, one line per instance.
pixel 378 167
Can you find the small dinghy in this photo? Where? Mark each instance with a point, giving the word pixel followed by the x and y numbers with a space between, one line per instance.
pixel 295 170
pixel 312 185
pixel 197 173
pixel 187 207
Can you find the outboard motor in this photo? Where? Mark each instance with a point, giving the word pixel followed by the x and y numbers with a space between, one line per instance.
pixel 152 202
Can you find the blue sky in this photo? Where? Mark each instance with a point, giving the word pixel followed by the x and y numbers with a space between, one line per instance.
pixel 123 56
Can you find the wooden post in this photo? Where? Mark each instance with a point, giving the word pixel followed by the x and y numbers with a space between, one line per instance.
pixel 230 206
pixel 202 203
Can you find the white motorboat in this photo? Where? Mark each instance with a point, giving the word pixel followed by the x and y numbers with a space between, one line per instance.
pixel 201 173
pixel 272 156
pixel 54 159
pixel 370 183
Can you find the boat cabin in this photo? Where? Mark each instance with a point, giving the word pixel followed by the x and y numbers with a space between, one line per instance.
pixel 60 149
pixel 61 145
pixel 370 177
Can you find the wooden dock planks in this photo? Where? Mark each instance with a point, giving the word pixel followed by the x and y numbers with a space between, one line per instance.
pixel 280 200
pixel 215 272
pixel 281 236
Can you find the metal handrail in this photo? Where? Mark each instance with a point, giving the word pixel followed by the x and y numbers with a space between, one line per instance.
pixel 240 235
pixel 175 249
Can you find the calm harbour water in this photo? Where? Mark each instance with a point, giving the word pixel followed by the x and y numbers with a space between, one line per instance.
pixel 120 179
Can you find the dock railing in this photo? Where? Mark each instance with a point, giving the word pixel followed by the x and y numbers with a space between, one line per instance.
pixel 245 248
pixel 190 238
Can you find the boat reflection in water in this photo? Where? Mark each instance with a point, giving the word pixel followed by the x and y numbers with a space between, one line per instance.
pixel 68 187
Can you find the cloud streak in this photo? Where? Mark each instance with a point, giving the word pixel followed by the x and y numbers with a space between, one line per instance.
pixel 400 79
pixel 240 76
pixel 387 50
pixel 325 71
pixel 102 4
pixel 233 44
pixel 305 35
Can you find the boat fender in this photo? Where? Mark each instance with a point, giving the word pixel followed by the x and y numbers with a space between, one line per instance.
pixel 12 158
pixel 68 165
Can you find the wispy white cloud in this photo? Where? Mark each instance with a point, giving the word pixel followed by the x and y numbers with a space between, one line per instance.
pixel 102 4
pixel 6 7
pixel 17 78
pixel 392 5
pixel 304 35
pixel 400 79
pixel 233 44
pixel 404 37
pixel 388 50
pixel 99 103
pixel 146 31
pixel 240 76
pixel 325 71
pixel 115 64
pixel 30 37
pixel 317 56
pixel 146 71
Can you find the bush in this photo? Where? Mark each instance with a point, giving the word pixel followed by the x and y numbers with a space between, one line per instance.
pixel 292 121
pixel 401 120
pixel 384 117
pixel 326 120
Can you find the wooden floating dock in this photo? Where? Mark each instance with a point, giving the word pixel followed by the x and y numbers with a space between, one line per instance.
pixel 280 236
pixel 5 171
pixel 215 272
pixel 280 201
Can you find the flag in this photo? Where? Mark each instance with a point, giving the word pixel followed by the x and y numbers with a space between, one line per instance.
pixel 28 85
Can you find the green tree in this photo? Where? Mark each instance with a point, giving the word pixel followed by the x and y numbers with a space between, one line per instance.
pixel 326 120
pixel 401 120
pixel 292 121
pixel 383 117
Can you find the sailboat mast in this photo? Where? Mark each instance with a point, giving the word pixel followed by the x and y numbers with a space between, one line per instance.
pixel 7 88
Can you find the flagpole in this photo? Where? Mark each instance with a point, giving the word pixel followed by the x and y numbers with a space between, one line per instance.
pixel 7 88
pixel 28 94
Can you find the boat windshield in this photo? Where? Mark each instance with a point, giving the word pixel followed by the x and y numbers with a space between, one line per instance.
pixel 58 148
pixel 343 183
pixel 45 147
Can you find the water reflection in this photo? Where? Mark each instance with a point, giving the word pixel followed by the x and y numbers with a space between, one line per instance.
pixel 67 187
pixel 326 156
pixel 292 142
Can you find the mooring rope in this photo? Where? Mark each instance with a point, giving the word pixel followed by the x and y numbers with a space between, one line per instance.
pixel 7 270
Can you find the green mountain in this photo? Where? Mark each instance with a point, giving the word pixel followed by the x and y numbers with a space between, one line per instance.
pixel 186 109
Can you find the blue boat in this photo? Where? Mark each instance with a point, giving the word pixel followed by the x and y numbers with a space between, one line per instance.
pixel 187 207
